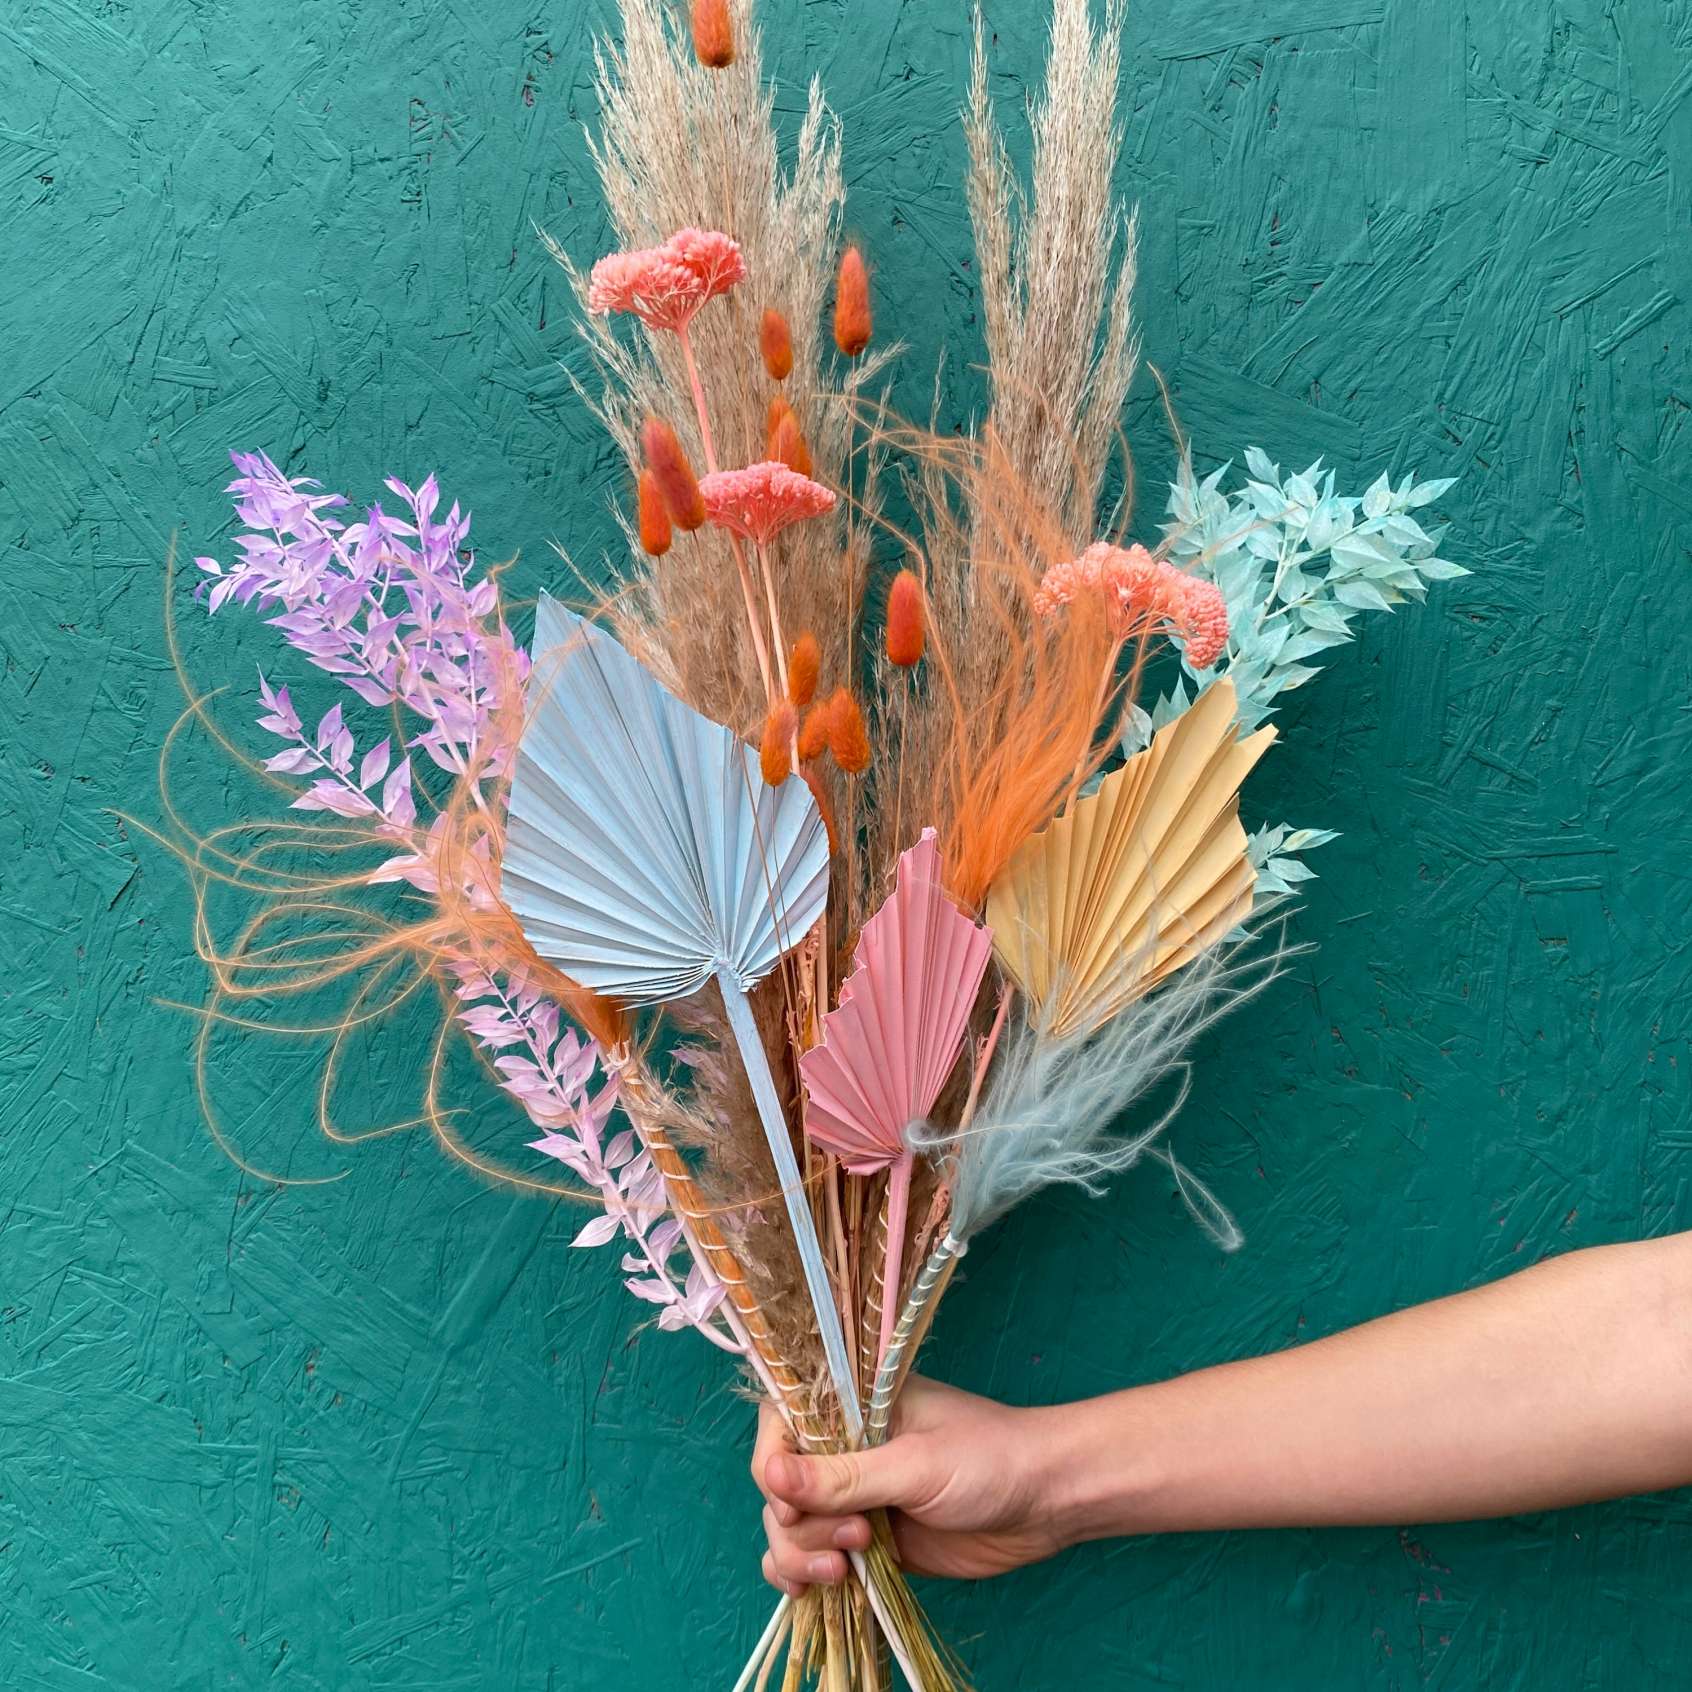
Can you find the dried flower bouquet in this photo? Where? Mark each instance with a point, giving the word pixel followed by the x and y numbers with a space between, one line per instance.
pixel 864 811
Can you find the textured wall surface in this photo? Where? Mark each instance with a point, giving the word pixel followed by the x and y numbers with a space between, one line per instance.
pixel 388 1432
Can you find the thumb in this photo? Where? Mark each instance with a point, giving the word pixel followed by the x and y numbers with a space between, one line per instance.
pixel 845 1482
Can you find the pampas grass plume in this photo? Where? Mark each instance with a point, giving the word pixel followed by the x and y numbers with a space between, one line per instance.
pixel 906 622
pixel 1053 1109
pixel 776 344
pixel 673 474
pixel 852 304
pixel 654 516
pixel 713 34
pixel 804 664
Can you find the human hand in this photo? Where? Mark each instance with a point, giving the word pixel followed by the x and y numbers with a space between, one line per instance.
pixel 963 1477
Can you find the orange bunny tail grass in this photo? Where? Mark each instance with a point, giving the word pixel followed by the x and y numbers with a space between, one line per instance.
pixel 852 304
pixel 787 445
pixel 673 474
pixel 775 750
pixel 804 665
pixel 654 515
pixel 713 34
pixel 906 630
pixel 813 732
pixel 775 342
pixel 848 740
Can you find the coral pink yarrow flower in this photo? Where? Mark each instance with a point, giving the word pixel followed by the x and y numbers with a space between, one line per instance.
pixel 665 286
pixel 1138 588
pixel 761 500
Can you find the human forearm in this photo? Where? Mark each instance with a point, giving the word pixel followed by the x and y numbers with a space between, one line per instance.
pixel 1569 1381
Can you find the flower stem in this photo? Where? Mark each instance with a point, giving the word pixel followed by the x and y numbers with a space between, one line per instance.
pixel 924 1296
pixel 1101 694
pixel 698 388
pixel 759 647
pixel 898 1216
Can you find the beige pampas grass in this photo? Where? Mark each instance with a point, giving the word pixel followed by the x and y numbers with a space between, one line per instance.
pixel 680 145
pixel 1057 265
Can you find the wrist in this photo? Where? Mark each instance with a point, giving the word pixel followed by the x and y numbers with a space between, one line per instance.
pixel 1096 1474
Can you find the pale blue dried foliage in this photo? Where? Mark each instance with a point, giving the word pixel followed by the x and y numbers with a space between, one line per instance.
pixel 1274 854
pixel 1054 1108
pixel 1296 563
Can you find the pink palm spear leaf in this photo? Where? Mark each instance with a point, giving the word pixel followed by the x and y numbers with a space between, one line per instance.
pixel 889 1045
pixel 646 857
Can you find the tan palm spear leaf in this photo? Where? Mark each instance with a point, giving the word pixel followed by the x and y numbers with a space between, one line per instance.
pixel 1134 880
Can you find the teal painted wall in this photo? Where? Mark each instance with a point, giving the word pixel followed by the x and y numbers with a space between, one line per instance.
pixel 390 1433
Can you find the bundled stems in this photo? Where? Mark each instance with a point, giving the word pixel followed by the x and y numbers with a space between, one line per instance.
pixel 764 1094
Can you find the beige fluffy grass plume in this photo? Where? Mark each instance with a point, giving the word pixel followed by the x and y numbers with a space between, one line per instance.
pixel 1057 265
pixel 679 144
pixel 1056 261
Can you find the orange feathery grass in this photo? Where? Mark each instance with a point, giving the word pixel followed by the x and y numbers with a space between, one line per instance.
pixel 654 515
pixel 906 621
pixel 804 665
pixel 1013 719
pixel 852 304
pixel 813 732
pixel 775 342
pixel 775 750
pixel 778 408
pixel 787 445
pixel 314 925
pixel 673 474
pixel 713 34
pixel 847 738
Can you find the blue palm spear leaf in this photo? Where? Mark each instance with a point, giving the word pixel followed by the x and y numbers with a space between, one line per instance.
pixel 645 856
pixel 644 852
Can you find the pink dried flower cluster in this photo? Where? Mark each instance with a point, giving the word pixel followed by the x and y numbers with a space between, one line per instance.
pixel 761 500
pixel 665 286
pixel 1139 588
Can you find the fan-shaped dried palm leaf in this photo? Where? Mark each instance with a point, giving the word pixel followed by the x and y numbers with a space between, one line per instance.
pixel 1137 878
pixel 645 854
pixel 892 1040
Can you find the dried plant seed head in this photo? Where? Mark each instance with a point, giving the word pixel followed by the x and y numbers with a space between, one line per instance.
pixel 813 732
pixel 654 516
pixel 804 664
pixel 847 739
pixel 906 622
pixel 787 445
pixel 778 409
pixel 852 304
pixel 776 344
pixel 673 474
pixel 775 750
pixel 713 34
